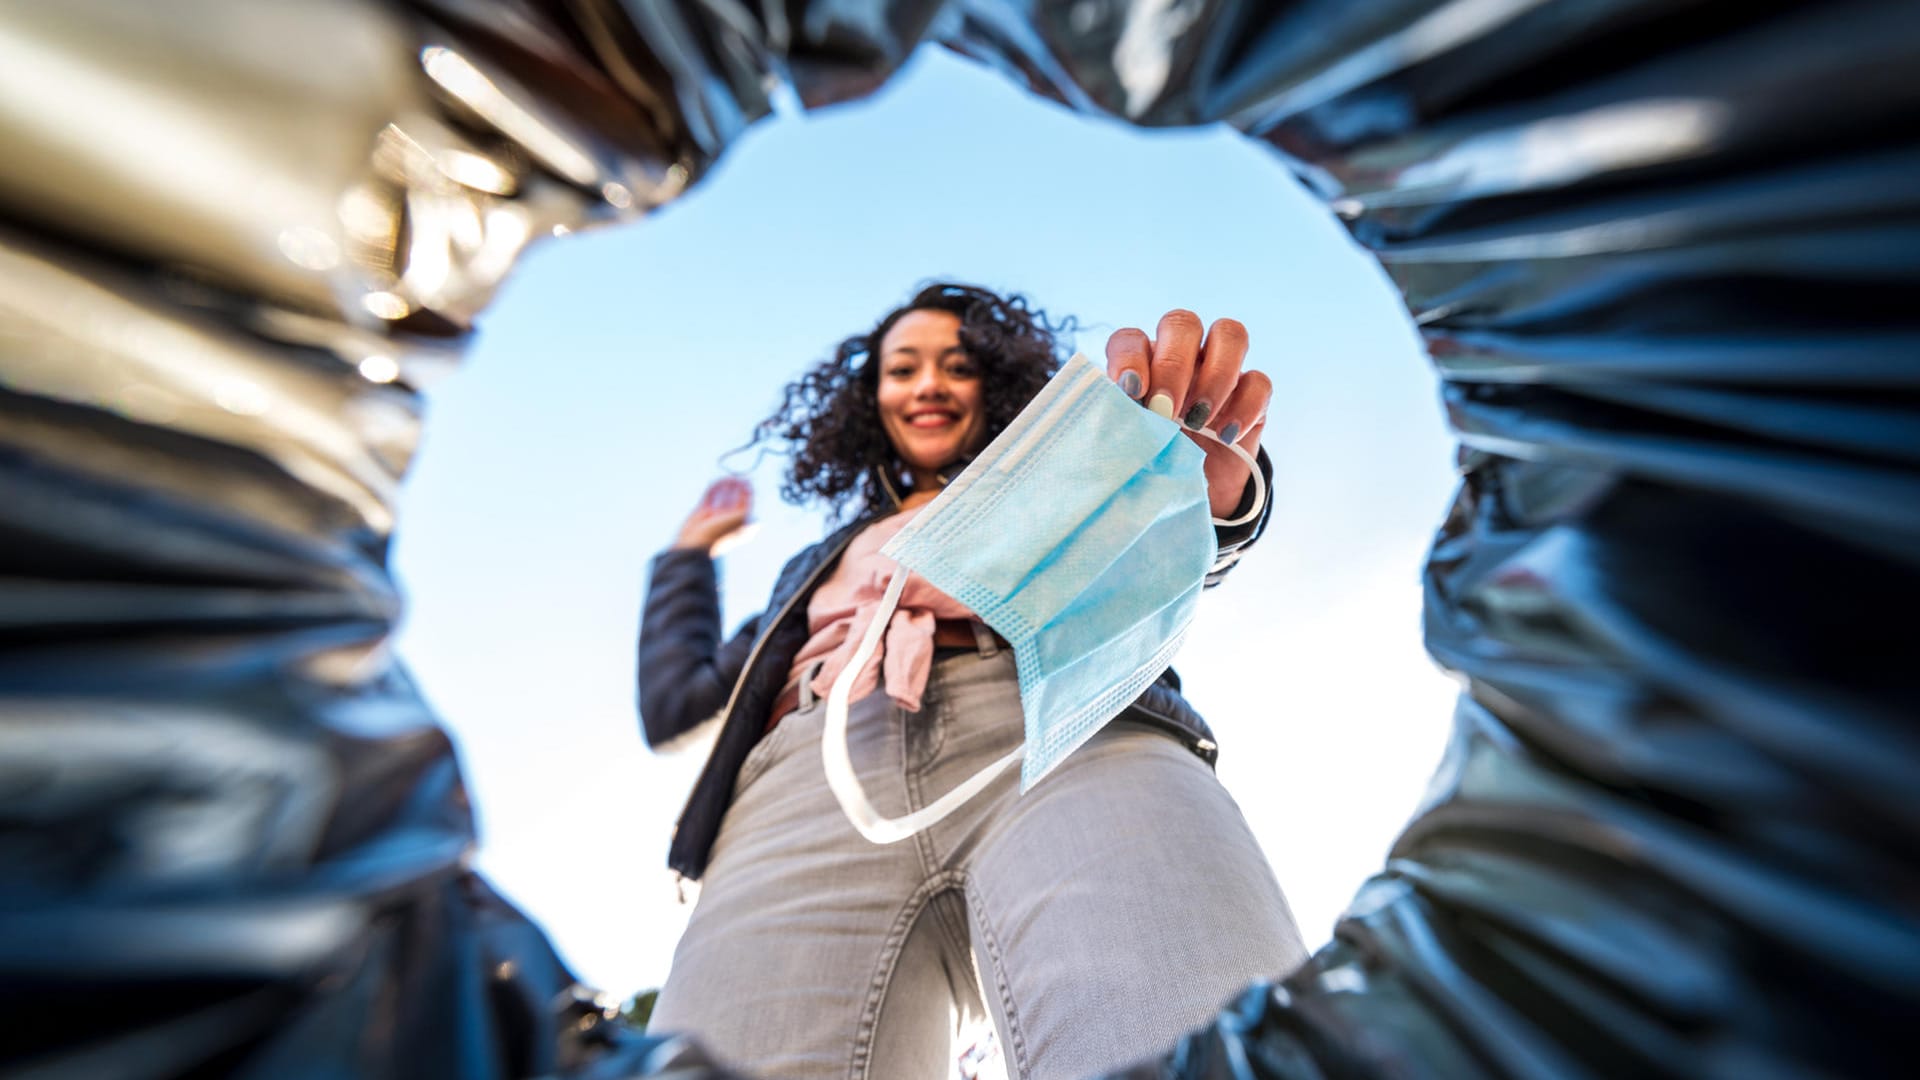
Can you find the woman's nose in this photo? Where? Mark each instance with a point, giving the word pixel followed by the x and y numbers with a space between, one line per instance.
pixel 932 384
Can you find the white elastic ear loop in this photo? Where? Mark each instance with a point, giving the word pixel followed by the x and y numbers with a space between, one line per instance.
pixel 1259 481
pixel 838 761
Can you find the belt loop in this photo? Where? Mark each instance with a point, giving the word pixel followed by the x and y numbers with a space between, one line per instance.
pixel 807 697
pixel 983 638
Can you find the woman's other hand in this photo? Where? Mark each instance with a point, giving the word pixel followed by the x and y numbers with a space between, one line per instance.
pixel 722 511
pixel 1193 374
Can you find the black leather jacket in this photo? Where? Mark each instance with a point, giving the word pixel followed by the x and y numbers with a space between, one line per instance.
pixel 689 676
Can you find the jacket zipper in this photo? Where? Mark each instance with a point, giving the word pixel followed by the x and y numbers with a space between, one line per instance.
pixel 726 713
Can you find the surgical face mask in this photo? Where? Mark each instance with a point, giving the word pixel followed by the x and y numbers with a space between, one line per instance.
pixel 1081 534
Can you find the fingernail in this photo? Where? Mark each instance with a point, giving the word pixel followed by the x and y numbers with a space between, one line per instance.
pixel 1231 433
pixel 1197 414
pixel 1161 406
pixel 1131 385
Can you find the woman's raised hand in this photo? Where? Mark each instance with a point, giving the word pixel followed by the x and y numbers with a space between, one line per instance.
pixel 1194 376
pixel 723 509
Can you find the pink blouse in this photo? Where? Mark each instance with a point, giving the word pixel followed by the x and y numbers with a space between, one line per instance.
pixel 844 605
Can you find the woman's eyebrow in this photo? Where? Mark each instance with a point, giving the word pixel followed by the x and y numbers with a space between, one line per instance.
pixel 914 350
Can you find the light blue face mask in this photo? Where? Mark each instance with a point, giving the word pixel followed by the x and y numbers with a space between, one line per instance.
pixel 1083 536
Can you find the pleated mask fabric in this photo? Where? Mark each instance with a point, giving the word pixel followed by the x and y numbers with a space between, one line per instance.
pixel 1082 535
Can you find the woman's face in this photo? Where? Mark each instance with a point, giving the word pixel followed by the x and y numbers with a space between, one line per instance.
pixel 931 401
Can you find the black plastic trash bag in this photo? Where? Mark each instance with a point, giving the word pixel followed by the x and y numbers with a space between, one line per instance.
pixel 1662 254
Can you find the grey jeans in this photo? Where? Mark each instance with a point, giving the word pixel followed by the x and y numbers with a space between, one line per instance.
pixel 1118 904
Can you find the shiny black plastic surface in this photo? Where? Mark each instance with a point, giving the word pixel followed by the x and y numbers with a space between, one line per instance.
pixel 1662 254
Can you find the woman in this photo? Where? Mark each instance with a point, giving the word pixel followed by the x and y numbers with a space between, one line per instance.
pixel 1118 903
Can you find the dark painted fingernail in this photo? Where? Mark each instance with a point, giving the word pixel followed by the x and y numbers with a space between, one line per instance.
pixel 1231 433
pixel 1131 385
pixel 1197 415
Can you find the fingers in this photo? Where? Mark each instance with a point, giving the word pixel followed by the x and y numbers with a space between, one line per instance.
pixel 1216 374
pixel 727 494
pixel 1176 352
pixel 723 509
pixel 1227 475
pixel 1244 410
pixel 1179 373
pixel 1129 358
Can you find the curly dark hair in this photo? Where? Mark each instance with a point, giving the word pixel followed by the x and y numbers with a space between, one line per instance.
pixel 829 418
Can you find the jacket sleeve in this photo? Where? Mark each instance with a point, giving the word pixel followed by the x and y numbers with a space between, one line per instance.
pixel 685 671
pixel 1234 541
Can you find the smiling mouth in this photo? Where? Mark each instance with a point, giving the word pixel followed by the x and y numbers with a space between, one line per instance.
pixel 932 419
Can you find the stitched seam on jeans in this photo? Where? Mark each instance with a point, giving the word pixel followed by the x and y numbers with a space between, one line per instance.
pixel 930 863
pixel 1016 1036
pixel 956 932
pixel 932 860
pixel 860 1064
pixel 934 694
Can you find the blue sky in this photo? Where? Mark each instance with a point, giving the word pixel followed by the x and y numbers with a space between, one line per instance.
pixel 619 365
